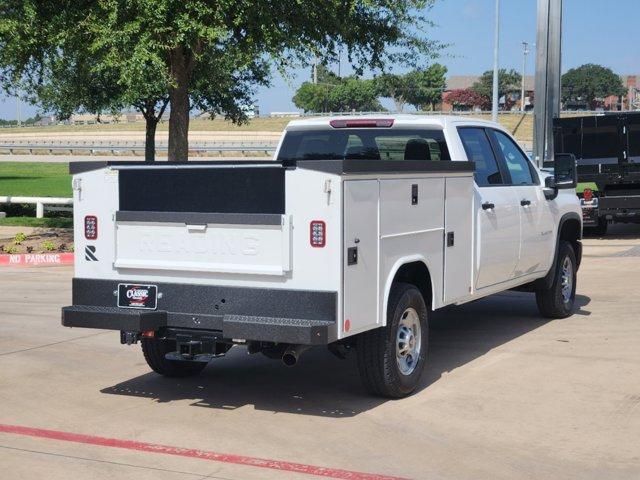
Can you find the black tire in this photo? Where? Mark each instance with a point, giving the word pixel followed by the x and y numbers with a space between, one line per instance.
pixel 154 351
pixel 551 301
pixel 376 349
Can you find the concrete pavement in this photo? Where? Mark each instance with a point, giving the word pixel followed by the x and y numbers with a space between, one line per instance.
pixel 507 395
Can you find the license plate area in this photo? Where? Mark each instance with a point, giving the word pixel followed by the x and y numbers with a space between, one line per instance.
pixel 137 296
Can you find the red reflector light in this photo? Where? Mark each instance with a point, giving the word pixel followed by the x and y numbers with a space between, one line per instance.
pixel 91 227
pixel 587 194
pixel 317 233
pixel 363 123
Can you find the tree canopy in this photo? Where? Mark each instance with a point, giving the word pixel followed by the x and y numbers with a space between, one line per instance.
pixel 508 82
pixel 208 55
pixel 421 88
pixel 466 99
pixel 336 94
pixel 590 83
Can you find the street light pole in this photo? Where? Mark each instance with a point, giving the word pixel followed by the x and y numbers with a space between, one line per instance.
pixel 496 40
pixel 18 113
pixel 525 52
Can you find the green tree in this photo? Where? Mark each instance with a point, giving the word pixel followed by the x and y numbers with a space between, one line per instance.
pixel 508 82
pixel 202 54
pixel 395 87
pixel 425 87
pixel 421 88
pixel 337 94
pixel 354 94
pixel 590 83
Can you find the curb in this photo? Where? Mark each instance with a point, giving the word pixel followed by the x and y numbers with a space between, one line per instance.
pixel 36 259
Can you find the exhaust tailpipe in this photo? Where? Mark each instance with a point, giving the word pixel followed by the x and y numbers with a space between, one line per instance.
pixel 292 353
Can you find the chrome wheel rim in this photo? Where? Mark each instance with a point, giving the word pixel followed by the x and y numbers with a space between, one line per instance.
pixel 408 341
pixel 567 280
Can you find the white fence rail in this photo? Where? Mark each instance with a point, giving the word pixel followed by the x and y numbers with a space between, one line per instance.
pixel 118 146
pixel 40 202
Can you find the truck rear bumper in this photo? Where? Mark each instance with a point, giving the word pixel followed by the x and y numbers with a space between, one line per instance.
pixel 621 209
pixel 267 315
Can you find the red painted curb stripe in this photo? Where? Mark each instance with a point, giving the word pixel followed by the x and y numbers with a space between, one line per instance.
pixel 187 452
pixel 31 259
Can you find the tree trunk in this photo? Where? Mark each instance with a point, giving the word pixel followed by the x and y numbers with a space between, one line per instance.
pixel 179 100
pixel 150 140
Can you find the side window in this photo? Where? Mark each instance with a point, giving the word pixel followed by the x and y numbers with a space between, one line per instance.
pixel 478 148
pixel 517 163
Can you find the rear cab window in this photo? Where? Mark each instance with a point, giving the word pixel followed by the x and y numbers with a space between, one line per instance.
pixel 396 144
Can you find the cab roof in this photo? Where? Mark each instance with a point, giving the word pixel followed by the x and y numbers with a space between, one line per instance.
pixel 399 121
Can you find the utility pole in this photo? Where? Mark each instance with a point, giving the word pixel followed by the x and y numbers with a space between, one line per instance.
pixel 547 87
pixel 18 113
pixel 315 71
pixel 496 41
pixel 525 52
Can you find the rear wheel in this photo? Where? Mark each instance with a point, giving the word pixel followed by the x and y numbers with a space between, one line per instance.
pixel 557 301
pixel 391 359
pixel 154 353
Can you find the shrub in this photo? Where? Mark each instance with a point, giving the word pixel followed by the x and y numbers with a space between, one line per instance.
pixel 19 238
pixel 10 249
pixel 48 245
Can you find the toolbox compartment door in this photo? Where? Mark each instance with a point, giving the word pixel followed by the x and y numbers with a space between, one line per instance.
pixel 234 244
pixel 360 256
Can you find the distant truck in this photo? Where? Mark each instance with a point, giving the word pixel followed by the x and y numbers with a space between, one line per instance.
pixel 358 229
pixel 607 148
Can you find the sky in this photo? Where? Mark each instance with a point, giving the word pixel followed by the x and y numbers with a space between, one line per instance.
pixel 594 31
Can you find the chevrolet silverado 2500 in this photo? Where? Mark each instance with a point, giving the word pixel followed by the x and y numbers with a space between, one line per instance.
pixel 357 230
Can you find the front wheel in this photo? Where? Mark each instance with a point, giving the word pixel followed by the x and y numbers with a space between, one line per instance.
pixel 391 359
pixel 557 301
pixel 154 351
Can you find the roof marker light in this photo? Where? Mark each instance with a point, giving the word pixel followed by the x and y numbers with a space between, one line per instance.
pixel 362 123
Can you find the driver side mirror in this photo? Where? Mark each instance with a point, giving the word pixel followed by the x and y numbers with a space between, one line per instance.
pixel 565 173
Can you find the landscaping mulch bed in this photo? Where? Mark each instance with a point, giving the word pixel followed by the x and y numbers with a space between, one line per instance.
pixel 54 240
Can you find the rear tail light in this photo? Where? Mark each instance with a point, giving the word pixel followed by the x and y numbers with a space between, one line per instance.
pixel 91 227
pixel 587 194
pixel 317 233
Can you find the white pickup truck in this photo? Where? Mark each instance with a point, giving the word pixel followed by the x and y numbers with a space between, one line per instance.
pixel 357 230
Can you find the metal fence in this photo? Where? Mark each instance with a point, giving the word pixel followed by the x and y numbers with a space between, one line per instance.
pixel 115 147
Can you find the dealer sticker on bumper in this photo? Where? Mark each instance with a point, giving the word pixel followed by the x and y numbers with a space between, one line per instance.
pixel 137 296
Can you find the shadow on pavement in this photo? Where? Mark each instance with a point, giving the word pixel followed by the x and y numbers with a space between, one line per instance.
pixel 617 231
pixel 323 385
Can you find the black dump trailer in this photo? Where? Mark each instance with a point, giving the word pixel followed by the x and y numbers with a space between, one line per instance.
pixel 607 149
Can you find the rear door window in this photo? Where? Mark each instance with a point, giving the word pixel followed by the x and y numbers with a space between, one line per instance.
pixel 516 161
pixel 478 149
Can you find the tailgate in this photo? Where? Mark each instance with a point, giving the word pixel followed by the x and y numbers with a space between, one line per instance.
pixel 223 218
pixel 257 244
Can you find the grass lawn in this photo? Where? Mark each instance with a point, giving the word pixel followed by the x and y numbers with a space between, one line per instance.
pixel 35 179
pixel 56 222
pixel 581 186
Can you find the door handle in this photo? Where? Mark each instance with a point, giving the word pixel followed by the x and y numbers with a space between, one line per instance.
pixel 525 202
pixel 488 206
